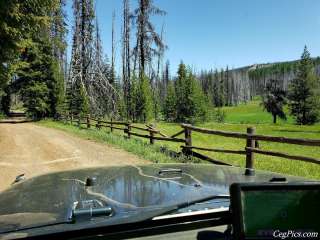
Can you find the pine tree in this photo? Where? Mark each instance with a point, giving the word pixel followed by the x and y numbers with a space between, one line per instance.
pixel 304 103
pixel 58 66
pixel 274 99
pixel 221 91
pixel 181 93
pixel 33 78
pixel 215 90
pixel 27 41
pixel 170 108
pixel 156 99
pixel 78 101
pixel 134 97
pixel 36 64
pixel 190 100
pixel 35 97
pixel 199 101
pixel 144 106
pixel 163 86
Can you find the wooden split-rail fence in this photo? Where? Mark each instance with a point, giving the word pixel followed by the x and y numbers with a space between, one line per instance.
pixel 153 134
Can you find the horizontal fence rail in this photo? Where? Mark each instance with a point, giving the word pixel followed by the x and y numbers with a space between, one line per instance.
pixel 284 155
pixel 215 150
pixel 298 141
pixel 153 134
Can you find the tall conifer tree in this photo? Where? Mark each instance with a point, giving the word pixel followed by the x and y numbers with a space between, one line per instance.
pixel 304 101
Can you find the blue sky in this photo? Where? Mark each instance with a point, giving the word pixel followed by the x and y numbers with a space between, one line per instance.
pixel 209 34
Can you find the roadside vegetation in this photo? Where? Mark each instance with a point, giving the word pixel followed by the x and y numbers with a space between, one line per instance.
pixel 155 153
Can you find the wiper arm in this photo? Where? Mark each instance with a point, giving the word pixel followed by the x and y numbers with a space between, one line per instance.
pixel 174 208
pixel 189 203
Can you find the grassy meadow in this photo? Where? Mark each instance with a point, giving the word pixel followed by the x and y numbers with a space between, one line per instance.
pixel 252 113
pixel 237 119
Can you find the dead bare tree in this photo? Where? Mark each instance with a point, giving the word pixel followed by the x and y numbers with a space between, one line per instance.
pixel 86 71
pixel 126 63
pixel 147 37
pixel 113 48
pixel 160 55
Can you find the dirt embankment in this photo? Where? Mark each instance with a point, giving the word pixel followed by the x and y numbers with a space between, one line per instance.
pixel 34 150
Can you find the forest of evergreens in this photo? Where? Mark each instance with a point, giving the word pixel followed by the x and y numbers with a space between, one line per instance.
pixel 34 67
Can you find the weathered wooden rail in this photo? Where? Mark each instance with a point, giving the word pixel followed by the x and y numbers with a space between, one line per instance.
pixel 252 145
pixel 251 148
pixel 127 128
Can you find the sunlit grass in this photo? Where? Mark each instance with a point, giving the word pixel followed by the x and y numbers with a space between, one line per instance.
pixel 262 162
pixel 238 119
pixel 252 112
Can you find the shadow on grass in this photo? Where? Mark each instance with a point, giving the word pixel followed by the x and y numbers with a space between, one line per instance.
pixel 178 156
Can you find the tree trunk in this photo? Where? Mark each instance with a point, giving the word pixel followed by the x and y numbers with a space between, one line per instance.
pixel 274 118
pixel 113 48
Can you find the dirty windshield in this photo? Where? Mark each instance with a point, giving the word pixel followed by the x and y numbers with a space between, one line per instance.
pixel 124 110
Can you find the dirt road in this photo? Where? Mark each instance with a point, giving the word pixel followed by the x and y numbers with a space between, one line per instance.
pixel 33 150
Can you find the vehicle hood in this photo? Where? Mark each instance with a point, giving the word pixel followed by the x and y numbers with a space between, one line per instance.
pixel 131 191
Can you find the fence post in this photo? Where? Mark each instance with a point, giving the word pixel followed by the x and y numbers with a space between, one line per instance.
pixel 249 154
pixel 125 129
pixel 71 118
pixel 151 133
pixel 129 129
pixel 79 121
pixel 98 125
pixel 111 128
pixel 188 141
pixel 88 121
pixel 64 118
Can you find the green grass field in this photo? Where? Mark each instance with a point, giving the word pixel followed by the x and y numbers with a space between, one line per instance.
pixel 251 115
pixel 237 120
pixel 262 162
pixel 251 112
